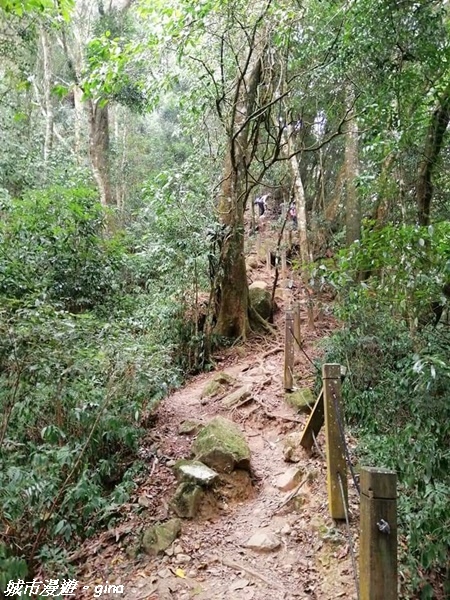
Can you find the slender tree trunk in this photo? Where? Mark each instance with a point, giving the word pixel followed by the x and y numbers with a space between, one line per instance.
pixel 47 95
pixel 299 196
pixel 433 144
pixel 99 149
pixel 78 123
pixel 352 204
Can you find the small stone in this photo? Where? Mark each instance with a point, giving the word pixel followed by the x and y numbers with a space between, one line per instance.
pixel 178 549
pixel 286 529
pixel 183 559
pixel 170 463
pixel 263 541
pixel 289 480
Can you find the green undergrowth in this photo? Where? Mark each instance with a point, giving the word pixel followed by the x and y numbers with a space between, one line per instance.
pixel 91 338
pixel 397 391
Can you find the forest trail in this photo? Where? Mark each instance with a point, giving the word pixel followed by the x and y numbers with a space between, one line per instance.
pixel 209 560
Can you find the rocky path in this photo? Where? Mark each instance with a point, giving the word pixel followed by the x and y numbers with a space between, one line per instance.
pixel 268 537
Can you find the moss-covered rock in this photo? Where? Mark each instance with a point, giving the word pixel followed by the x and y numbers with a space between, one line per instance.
pixel 193 471
pixel 222 446
pixel 218 384
pixel 187 499
pixel 159 537
pixel 261 301
pixel 302 400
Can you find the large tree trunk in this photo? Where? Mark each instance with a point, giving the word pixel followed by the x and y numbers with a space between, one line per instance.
pixel 433 144
pixel 352 204
pixel 232 298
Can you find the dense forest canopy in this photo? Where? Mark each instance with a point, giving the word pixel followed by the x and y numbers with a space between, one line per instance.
pixel 136 136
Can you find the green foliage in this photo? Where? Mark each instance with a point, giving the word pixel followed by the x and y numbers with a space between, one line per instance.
pixel 82 365
pixel 52 249
pixel 398 400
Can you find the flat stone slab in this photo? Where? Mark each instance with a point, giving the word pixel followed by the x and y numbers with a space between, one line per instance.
pixel 194 471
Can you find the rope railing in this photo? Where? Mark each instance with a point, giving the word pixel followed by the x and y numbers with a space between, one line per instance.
pixel 376 488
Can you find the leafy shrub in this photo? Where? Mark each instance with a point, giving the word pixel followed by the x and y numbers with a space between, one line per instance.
pixel 83 362
pixel 398 400
pixel 53 250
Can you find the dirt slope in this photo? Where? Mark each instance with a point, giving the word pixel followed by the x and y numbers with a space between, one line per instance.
pixel 209 561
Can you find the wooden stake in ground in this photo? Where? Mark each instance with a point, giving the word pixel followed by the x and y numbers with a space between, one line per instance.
pixel 269 260
pixel 289 351
pixel 336 465
pixel 378 535
pixel 297 326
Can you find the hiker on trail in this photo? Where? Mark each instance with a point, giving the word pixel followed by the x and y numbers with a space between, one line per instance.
pixel 261 204
pixel 293 215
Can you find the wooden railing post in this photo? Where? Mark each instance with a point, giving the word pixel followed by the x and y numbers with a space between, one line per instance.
pixel 289 351
pixel 378 535
pixel 336 465
pixel 297 325
pixel 269 260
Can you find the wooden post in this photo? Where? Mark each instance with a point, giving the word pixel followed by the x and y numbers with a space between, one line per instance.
pixel 310 311
pixel 314 424
pixel 269 260
pixel 378 535
pixel 297 326
pixel 289 351
pixel 283 264
pixel 336 465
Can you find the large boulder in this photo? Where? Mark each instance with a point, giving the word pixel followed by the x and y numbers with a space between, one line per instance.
pixel 261 301
pixel 159 537
pixel 222 446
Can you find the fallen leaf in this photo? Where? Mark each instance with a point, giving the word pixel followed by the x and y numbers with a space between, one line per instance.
pixel 180 573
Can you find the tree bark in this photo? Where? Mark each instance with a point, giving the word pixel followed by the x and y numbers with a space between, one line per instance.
pixel 299 196
pixel 48 101
pixel 99 149
pixel 433 145
pixel 352 205
pixel 232 297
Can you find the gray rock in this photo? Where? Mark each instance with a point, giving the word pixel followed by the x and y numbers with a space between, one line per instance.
pixel 289 480
pixel 263 541
pixel 194 471
pixel 159 537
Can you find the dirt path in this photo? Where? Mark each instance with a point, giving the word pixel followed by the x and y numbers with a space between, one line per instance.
pixel 209 561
